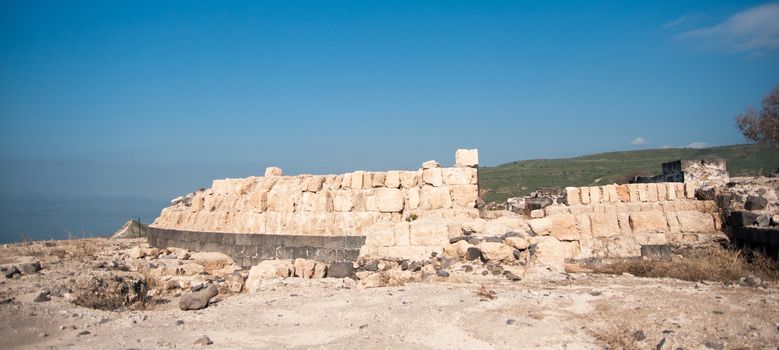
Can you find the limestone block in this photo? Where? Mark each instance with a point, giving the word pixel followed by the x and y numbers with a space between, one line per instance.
pixel 430 164
pixel 695 222
pixel 517 242
pixel 357 179
pixel 541 227
pixel 494 251
pixel 673 222
pixel 651 192
pixel 585 226
pixel 410 179
pixel 304 268
pixel 661 192
pixel 595 195
pixel 382 235
pixel 371 203
pixel 429 232
pixel 643 194
pixel 679 190
pixel 605 196
pixel 474 226
pixel 433 176
pixel 320 270
pixel 565 228
pixel 402 234
pixel 670 191
pixel 465 196
pixel 572 196
pixel 367 180
pixel 389 200
pixel 282 200
pixel 623 217
pixel 346 181
pixel 550 251
pixel 360 200
pixel 272 171
pixel 689 190
pixel 613 197
pixel 434 198
pixel 623 247
pixel 604 224
pixel 459 176
pixel 412 198
pixel 537 213
pixel 378 179
pixel 412 252
pixel 585 194
pixel 343 200
pixel 648 222
pixel 556 210
pixel 392 180
pixel 623 193
pixel 271 269
pixel 633 191
pixel 315 183
pixel 466 158
pixel 457 249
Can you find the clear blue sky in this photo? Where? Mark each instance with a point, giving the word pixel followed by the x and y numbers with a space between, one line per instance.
pixel 154 99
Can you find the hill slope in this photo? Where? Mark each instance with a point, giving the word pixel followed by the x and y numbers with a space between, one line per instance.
pixel 522 177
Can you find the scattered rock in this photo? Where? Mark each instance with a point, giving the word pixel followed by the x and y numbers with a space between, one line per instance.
pixel 198 300
pixel 178 322
pixel 372 266
pixel 415 267
pixel 510 321
pixel 341 270
pixel 42 335
pixel 12 271
pixel 84 333
pixel 713 345
pixel 755 203
pixel 43 296
pixel 660 344
pixel 639 335
pixel 203 341
pixel 750 281
pixel 467 268
pixel 404 265
pixel 30 268
pixel 596 293
pixel 108 291
pixel 472 253
pixel 441 273
pixel 511 276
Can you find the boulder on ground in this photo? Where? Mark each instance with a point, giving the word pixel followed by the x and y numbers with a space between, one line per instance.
pixel 109 291
pixel 341 270
pixel 493 251
pixel 199 299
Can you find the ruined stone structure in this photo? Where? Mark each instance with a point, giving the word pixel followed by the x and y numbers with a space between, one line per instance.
pixel 411 214
pixel 700 173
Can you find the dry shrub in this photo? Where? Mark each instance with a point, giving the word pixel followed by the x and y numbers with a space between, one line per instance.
pixel 618 336
pixel 486 293
pixel 710 264
pixel 110 292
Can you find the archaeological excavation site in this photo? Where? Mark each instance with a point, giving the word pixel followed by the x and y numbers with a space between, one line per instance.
pixel 415 259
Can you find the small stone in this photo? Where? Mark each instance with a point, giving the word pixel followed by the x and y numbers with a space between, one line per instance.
pixel 750 281
pixel 433 254
pixel 372 266
pixel 4 301
pixel 340 270
pixel 42 297
pixel 84 333
pixel 12 271
pixel 639 335
pixel 472 253
pixel 467 268
pixel 596 293
pixel 30 268
pixel 441 273
pixel 178 322
pixel 511 276
pixel 203 341
pixel 510 321
pixel 713 345
pixel 42 335
pixel 404 265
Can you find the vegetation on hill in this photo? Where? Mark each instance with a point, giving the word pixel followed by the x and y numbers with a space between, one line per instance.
pixel 522 177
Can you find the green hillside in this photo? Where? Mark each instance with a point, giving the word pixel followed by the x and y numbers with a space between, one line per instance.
pixel 522 177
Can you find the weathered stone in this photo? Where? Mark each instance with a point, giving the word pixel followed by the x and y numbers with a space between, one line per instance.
pixel 541 227
pixel 433 176
pixel 584 192
pixel 271 269
pixel 456 249
pixel 429 232
pixel 430 164
pixel 30 268
pixel 472 253
pixel 434 198
pixel 392 180
pixel 203 341
pixel 755 203
pixel 410 179
pixel 458 176
pixel 496 251
pixel 320 270
pixel 304 268
pixel 315 183
pixel 564 228
pixel 441 273
pixel 357 179
pixel 572 196
pixel 623 193
pixel 538 213
pixel 550 251
pixel 11 272
pixel 465 196
pixel 198 300
pixel 661 252
pixel 466 158
pixel 41 297
pixel 272 171
pixel 378 179
pixel 389 200
pixel 648 222
pixel 670 191
pixel 695 222
pixel 412 198
pixel 595 195
pixel 517 242
pixel 136 253
pixel 604 224
pixel 340 270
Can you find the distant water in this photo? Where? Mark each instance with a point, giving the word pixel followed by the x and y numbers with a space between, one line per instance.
pixel 37 217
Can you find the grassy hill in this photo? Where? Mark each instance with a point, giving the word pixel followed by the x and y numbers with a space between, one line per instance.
pixel 522 177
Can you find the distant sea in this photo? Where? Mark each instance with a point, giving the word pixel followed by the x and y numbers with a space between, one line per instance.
pixel 39 217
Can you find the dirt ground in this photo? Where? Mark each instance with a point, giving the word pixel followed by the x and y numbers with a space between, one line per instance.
pixel 545 310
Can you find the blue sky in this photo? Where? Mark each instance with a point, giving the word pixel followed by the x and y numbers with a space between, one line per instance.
pixel 154 99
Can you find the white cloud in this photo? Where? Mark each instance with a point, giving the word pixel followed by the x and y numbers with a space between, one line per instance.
pixel 676 22
pixel 697 144
pixel 754 29
pixel 638 141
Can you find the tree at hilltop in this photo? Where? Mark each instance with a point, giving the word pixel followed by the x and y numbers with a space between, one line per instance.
pixel 762 126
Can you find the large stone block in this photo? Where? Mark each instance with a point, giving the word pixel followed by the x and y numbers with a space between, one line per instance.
pixel 466 158
pixel 315 183
pixel 259 200
pixel 661 192
pixel 633 192
pixel 402 234
pixel 643 192
pixel 495 251
pixel 541 227
pixel 689 190
pixel 435 198
pixel 565 228
pixel 648 222
pixel 595 195
pixel 670 191
pixel 550 251
pixel 614 197
pixel 412 198
pixel 389 200
pixel 651 192
pixel 272 171
pixel 343 200
pixel 572 196
pixel 459 176
pixel 695 222
pixel 464 196
pixel 382 235
pixel 357 179
pixel 585 194
pixel 367 180
pixel 378 179
pixel 604 224
pixel 430 164
pixel 392 180
pixel 433 176
pixel 429 232
pixel 623 192
pixel 410 179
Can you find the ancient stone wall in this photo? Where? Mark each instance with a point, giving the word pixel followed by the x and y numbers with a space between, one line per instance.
pixel 391 209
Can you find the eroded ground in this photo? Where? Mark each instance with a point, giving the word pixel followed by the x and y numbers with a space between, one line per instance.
pixel 544 310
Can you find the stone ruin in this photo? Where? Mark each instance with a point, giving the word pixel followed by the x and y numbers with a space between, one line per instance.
pixel 414 214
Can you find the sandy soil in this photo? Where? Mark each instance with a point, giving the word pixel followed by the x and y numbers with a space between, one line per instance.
pixel 545 310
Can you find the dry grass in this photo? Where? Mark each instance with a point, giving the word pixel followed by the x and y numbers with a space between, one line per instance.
pixel 711 264
pixel 618 337
pixel 486 293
